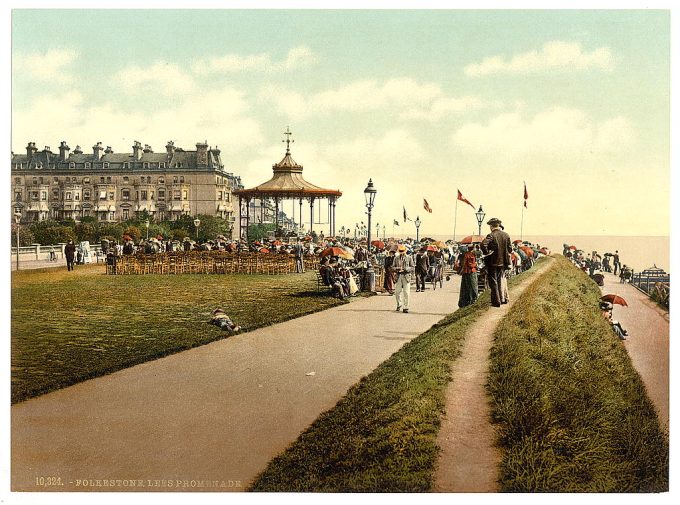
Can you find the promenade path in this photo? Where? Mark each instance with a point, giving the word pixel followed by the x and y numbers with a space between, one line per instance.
pixel 219 412
pixel 647 341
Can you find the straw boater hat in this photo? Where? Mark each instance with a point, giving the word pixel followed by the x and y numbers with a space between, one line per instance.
pixel 401 248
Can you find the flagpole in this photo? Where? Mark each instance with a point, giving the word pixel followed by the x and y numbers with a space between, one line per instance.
pixel 455 220
pixel 521 227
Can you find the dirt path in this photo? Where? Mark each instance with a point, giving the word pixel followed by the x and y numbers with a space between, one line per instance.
pixel 647 342
pixel 469 459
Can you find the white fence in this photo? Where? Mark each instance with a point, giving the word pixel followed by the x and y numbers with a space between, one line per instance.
pixel 37 252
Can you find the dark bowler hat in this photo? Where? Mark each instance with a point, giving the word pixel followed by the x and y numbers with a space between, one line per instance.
pixel 493 221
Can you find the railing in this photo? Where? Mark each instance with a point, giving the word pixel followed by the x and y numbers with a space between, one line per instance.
pixel 37 252
pixel 654 282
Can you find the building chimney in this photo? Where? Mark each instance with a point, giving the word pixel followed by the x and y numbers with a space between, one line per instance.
pixel 63 150
pixel 137 150
pixel 31 150
pixel 77 150
pixel 97 150
pixel 147 148
pixel 202 153
pixel 170 147
pixel 108 150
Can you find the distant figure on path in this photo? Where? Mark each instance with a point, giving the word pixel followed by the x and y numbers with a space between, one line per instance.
pixel 617 262
pixel 299 263
pixel 390 276
pixel 422 265
pixel 70 253
pixel 496 248
pixel 403 266
pixel 469 289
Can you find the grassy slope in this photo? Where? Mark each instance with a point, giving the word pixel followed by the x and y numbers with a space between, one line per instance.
pixel 71 326
pixel 382 435
pixel 572 412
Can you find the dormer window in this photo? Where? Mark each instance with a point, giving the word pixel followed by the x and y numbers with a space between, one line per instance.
pixel 161 165
pixel 72 165
pixel 88 164
pixel 126 164
pixel 146 165
pixel 106 164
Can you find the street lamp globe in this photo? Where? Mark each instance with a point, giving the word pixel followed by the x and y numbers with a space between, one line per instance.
pixel 480 218
pixel 197 223
pixel 146 223
pixel 417 223
pixel 369 194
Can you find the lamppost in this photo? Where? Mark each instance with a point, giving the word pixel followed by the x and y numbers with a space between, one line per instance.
pixel 356 230
pixel 480 217
pixel 17 218
pixel 369 194
pixel 146 223
pixel 197 223
pixel 417 223
pixel 383 233
pixel 377 231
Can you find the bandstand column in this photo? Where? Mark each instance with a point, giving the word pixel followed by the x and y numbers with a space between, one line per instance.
pixel 311 215
pixel 300 228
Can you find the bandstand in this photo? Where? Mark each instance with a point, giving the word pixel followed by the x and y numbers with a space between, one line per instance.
pixel 287 183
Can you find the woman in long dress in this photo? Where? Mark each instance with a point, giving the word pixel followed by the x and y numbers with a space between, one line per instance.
pixel 390 276
pixel 468 284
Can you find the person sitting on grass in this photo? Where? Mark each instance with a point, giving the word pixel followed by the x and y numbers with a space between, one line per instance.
pixel 607 309
pixel 220 319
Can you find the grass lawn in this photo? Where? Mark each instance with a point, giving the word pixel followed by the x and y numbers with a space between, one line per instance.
pixel 571 411
pixel 382 436
pixel 71 326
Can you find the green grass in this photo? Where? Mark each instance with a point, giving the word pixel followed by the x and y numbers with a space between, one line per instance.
pixel 572 413
pixel 381 437
pixel 71 326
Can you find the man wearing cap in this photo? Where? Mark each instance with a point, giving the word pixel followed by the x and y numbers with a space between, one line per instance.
pixel 496 248
pixel 403 267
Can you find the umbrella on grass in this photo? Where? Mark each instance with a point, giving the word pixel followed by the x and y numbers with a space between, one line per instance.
pixel 614 300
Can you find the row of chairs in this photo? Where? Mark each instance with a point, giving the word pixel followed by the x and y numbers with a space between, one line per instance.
pixel 205 262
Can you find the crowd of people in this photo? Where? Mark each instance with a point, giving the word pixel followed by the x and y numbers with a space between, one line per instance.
pixel 595 264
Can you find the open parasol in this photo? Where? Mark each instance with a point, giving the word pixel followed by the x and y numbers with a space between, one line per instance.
pixel 471 239
pixel 337 251
pixel 614 300
pixel 378 243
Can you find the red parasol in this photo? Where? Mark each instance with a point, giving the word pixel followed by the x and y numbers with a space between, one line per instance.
pixel 572 247
pixel 431 248
pixel 378 243
pixel 471 239
pixel 264 250
pixel 615 300
pixel 337 251
pixel 515 242
pixel 527 250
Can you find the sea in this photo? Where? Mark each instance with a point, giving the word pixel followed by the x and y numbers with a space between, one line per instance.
pixel 638 253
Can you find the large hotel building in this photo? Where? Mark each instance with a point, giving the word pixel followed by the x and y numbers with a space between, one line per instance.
pixel 116 186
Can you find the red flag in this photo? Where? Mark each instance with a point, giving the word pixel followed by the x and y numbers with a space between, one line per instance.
pixel 526 195
pixel 462 199
pixel 426 206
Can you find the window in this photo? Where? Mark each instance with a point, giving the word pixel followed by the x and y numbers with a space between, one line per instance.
pixel 106 164
pixel 161 194
pixel 55 193
pixel 144 195
pixel 175 179
pixel 219 195
pixel 161 165
pixel 68 179
pixel 148 179
pixel 112 216
pixel 17 196
pixel 126 214
pixel 228 196
pixel 68 195
pixel 77 197
pixel 112 195
pixel 102 195
pixel 146 165
pixel 108 179
pixel 17 180
pixel 125 194
pixel 43 195
pixel 86 180
pixel 35 180
pixel 40 180
pixel 88 164
pixel 101 179
pixel 86 194
pixel 151 195
pixel 126 164
pixel 176 194
pixel 181 178
pixel 126 179
pixel 185 194
pixel 161 180
pixel 34 195
pixel 56 179
pixel 72 165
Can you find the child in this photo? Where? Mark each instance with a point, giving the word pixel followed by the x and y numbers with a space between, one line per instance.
pixel 221 319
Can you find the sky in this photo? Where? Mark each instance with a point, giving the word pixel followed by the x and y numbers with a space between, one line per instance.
pixel 424 102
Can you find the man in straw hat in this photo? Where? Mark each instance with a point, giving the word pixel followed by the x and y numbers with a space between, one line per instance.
pixel 403 266
pixel 496 248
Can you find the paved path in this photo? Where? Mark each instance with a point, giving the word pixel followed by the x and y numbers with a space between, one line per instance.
pixel 647 341
pixel 219 412
pixel 469 459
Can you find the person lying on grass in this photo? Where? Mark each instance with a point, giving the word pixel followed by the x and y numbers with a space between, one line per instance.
pixel 223 321
pixel 607 309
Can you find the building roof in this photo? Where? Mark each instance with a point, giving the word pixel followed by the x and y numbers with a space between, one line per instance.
pixel 287 182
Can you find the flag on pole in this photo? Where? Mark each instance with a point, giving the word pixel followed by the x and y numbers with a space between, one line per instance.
pixel 463 199
pixel 405 216
pixel 426 206
pixel 526 195
pixel 396 223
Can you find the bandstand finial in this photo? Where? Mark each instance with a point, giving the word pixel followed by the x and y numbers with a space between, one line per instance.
pixel 288 133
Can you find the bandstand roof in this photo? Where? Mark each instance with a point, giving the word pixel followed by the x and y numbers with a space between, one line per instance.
pixel 287 182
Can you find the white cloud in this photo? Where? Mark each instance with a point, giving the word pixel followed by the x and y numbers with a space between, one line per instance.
pixel 194 119
pixel 160 77
pixel 297 57
pixel 558 133
pixel 51 66
pixel 406 97
pixel 554 56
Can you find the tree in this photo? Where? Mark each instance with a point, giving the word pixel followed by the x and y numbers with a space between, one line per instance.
pixel 85 231
pixel 51 232
pixel 133 232
pixel 25 236
pixel 110 231
pixel 259 231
